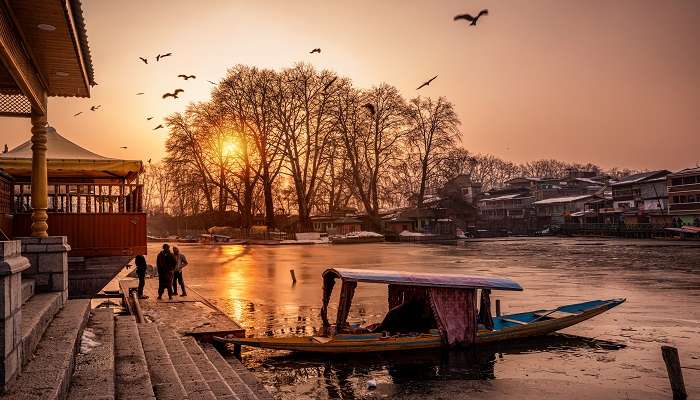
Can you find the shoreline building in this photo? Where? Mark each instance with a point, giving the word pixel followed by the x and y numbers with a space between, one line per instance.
pixel 684 195
pixel 643 198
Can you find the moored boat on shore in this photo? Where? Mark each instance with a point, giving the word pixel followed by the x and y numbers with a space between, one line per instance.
pixel 427 311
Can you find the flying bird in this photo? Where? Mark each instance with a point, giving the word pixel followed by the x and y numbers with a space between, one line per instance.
pixel 174 94
pixel 426 83
pixel 211 82
pixel 139 93
pixel 159 56
pixel 471 19
pixel 95 108
pixel 370 108
pixel 149 118
pixel 158 127
pixel 149 160
pixel 123 147
pixel 316 50
pixel 329 83
pixel 78 113
pixel 186 77
pixel 145 60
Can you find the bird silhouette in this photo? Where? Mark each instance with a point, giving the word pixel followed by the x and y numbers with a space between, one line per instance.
pixel 186 77
pixel 316 50
pixel 158 127
pixel 78 113
pixel 329 83
pixel 123 147
pixel 139 93
pixel 5 150
pixel 173 94
pixel 426 83
pixel 160 56
pixel 149 118
pixel 468 17
pixel 370 108
pixel 149 160
pixel 95 108
pixel 145 60
pixel 211 82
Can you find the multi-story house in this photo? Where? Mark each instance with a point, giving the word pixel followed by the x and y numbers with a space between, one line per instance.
pixel 684 196
pixel 642 197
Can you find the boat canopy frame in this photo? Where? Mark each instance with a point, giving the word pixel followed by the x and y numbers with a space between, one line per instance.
pixel 350 278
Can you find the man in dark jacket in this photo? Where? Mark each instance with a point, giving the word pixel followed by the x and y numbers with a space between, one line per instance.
pixel 166 265
pixel 141 267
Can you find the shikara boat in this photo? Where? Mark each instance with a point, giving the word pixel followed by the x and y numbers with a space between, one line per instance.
pixel 427 311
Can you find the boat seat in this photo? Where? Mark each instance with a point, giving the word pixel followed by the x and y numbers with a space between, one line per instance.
pixel 515 321
pixel 555 314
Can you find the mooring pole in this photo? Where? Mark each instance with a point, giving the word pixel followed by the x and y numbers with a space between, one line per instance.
pixel 498 307
pixel 294 278
pixel 675 374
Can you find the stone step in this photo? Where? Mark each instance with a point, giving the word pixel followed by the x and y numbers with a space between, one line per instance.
pixel 242 381
pixel 28 289
pixel 165 379
pixel 93 375
pixel 191 377
pixel 132 381
pixel 48 374
pixel 213 377
pixel 37 314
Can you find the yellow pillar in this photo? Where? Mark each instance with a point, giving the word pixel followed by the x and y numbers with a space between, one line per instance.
pixel 40 184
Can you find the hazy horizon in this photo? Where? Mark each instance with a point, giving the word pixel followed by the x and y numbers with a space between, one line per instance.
pixel 615 84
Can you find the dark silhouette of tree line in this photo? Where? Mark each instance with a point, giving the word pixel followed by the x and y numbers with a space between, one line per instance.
pixel 305 141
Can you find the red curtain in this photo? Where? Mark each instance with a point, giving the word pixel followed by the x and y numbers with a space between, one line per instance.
pixel 455 312
pixel 346 293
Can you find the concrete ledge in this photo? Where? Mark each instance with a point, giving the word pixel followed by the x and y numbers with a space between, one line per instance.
pixel 48 374
pixel 93 376
pixel 132 381
pixel 247 386
pixel 37 314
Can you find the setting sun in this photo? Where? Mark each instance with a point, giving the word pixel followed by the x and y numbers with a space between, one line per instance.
pixel 230 147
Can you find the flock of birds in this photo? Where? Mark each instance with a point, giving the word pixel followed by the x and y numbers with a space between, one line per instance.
pixel 369 106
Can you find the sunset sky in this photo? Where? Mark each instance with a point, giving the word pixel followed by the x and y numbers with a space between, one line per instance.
pixel 616 83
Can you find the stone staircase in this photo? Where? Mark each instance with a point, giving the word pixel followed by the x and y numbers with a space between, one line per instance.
pixel 149 361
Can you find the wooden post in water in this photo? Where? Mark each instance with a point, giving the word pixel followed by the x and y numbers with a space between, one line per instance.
pixel 294 278
pixel 675 375
pixel 498 307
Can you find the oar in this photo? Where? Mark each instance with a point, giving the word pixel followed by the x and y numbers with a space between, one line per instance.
pixel 546 315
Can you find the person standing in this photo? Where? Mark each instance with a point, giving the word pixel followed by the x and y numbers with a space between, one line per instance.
pixel 166 265
pixel 180 263
pixel 141 267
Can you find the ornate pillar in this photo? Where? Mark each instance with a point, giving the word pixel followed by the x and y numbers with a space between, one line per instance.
pixel 40 184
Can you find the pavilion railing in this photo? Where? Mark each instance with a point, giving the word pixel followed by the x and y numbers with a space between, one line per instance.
pixel 83 198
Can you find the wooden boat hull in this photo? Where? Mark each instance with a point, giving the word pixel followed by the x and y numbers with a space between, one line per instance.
pixel 355 240
pixel 504 329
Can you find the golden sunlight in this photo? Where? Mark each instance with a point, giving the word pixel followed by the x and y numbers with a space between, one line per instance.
pixel 230 147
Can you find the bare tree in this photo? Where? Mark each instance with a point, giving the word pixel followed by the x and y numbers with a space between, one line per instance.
pixel 432 135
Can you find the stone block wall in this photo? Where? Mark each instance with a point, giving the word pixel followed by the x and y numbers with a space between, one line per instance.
pixel 12 264
pixel 48 257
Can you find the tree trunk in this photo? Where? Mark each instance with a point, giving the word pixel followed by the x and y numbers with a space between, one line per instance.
pixel 267 194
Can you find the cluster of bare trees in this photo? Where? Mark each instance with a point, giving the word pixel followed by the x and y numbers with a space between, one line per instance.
pixel 303 141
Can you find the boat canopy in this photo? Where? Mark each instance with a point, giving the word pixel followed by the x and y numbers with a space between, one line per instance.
pixel 449 300
pixel 424 279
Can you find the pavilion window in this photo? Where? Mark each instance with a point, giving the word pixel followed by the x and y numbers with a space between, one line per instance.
pixel 83 198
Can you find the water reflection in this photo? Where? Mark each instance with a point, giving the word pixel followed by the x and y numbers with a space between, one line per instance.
pixel 345 376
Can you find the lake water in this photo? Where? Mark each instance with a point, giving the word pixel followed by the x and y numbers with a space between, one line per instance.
pixel 614 355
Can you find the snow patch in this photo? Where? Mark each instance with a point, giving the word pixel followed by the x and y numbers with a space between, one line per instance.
pixel 88 341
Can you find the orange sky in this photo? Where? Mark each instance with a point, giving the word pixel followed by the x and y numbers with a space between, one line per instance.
pixel 611 82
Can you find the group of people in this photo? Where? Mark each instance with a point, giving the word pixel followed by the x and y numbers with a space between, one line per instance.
pixel 169 265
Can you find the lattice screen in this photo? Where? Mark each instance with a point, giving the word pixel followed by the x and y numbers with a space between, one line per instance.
pixel 14 104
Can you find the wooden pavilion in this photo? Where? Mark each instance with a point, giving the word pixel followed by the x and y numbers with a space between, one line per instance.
pixel 48 185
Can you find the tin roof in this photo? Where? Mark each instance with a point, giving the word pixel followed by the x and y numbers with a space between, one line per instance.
pixel 567 199
pixel 423 279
